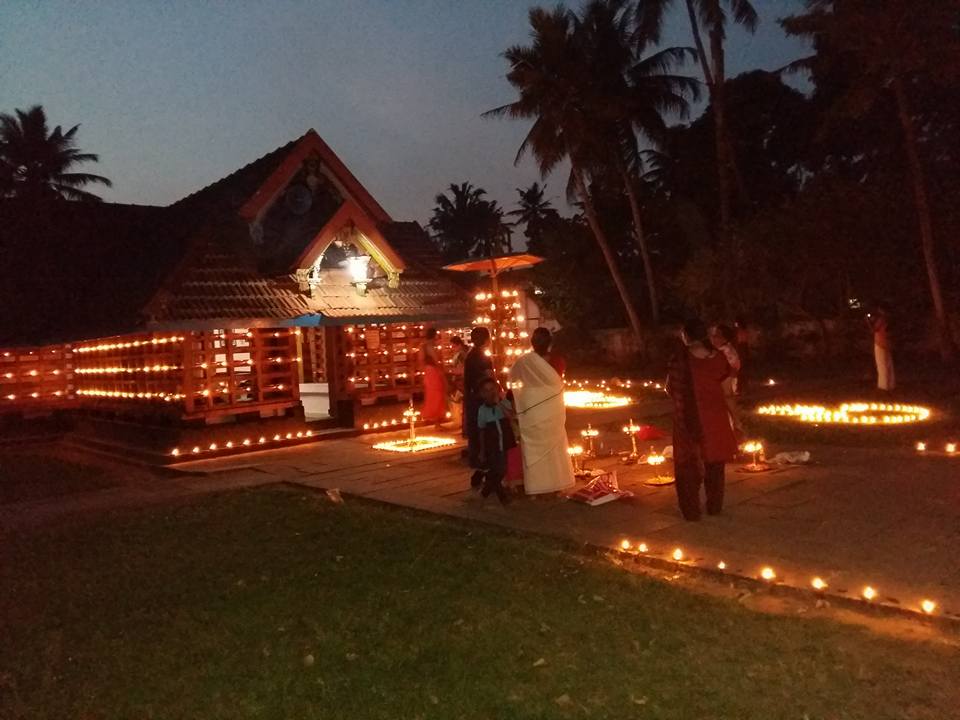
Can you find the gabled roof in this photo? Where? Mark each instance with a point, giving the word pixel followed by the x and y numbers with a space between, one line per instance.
pixel 311 142
pixel 83 270
pixel 350 214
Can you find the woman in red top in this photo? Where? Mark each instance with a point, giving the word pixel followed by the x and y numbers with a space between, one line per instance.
pixel 703 438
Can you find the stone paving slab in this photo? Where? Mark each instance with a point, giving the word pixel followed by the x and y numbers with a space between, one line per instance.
pixel 883 517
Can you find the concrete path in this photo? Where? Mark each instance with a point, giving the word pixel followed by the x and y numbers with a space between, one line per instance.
pixel 855 517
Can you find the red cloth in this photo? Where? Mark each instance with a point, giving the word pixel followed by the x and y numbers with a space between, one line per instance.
pixel 514 465
pixel 434 394
pixel 718 443
pixel 557 363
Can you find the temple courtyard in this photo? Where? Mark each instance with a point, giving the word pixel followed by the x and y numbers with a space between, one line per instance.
pixel 314 580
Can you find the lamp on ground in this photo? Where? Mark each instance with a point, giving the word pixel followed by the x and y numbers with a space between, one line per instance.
pixel 589 434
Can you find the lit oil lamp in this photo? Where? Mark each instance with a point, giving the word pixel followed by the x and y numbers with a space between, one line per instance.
pixel 754 448
pixel 576 454
pixel 589 434
pixel 414 443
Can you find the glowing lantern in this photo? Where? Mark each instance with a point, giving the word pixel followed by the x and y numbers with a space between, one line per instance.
pixel 869 593
pixel 721 565
pixel 928 606
pixel 818 583
pixel 768 574
pixel 625 545
pixel 677 554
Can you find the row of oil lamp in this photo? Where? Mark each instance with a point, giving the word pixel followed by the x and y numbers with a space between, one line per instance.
pixel 767 574
pixel 858 413
pixel 950 448
pixel 263 440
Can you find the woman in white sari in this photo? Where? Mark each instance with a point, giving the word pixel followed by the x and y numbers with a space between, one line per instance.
pixel 538 391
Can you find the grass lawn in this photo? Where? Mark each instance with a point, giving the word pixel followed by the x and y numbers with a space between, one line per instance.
pixel 33 474
pixel 277 604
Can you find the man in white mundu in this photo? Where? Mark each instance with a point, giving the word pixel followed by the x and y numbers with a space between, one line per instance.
pixel 538 392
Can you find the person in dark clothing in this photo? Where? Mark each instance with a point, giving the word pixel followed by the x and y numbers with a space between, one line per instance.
pixel 496 438
pixel 476 367
pixel 703 438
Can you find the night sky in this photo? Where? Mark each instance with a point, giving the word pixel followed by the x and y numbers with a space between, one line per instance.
pixel 175 95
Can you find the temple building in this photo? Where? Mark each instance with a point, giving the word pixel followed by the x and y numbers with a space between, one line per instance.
pixel 265 308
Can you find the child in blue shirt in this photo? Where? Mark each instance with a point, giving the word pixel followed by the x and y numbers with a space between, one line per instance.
pixel 496 438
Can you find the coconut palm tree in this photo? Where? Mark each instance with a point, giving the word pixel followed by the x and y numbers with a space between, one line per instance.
pixel 710 16
pixel 36 163
pixel 884 48
pixel 549 76
pixel 534 211
pixel 467 224
pixel 631 95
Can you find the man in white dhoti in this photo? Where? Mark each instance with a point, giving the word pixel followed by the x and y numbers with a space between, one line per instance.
pixel 538 392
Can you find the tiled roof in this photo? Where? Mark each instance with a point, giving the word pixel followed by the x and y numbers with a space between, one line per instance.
pixel 85 270
pixel 428 299
pixel 222 284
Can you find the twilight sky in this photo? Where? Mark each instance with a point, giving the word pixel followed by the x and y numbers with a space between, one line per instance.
pixel 174 95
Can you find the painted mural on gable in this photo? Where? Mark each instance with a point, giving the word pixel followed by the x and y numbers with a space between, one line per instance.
pixel 296 216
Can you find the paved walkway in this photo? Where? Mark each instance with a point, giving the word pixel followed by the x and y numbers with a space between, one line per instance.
pixel 885 518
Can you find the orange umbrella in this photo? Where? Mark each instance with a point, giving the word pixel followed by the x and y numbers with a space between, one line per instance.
pixel 493 266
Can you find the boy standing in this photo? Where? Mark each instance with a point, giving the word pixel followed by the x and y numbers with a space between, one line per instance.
pixel 496 439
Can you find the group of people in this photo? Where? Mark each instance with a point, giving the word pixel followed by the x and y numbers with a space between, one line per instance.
pixel 516 436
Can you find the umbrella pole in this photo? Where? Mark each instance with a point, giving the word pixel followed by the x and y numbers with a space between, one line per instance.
pixel 495 348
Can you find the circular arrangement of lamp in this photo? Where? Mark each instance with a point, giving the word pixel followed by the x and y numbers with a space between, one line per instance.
pixel 594 399
pixel 852 413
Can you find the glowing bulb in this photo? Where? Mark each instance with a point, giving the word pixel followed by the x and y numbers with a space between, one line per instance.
pixel 928 607
pixel 721 565
pixel 818 583
pixel 175 452
pixel 642 547
pixel 624 545
pixel 677 554
pixel 768 574
pixel 869 593
pixel 951 448
pixel 196 450
pixel 921 447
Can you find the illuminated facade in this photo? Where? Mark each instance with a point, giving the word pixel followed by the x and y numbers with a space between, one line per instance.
pixel 244 302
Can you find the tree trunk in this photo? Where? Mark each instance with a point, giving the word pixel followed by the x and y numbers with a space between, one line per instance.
pixel 715 77
pixel 918 178
pixel 640 237
pixel 701 52
pixel 608 255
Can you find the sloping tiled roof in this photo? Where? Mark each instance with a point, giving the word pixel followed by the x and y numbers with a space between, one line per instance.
pixel 221 283
pixel 231 192
pixel 86 270
pixel 81 270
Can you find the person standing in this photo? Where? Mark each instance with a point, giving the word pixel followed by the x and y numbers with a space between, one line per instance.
pixel 477 366
pixel 722 337
pixel 882 351
pixel 434 408
pixel 703 438
pixel 538 390
pixel 496 439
